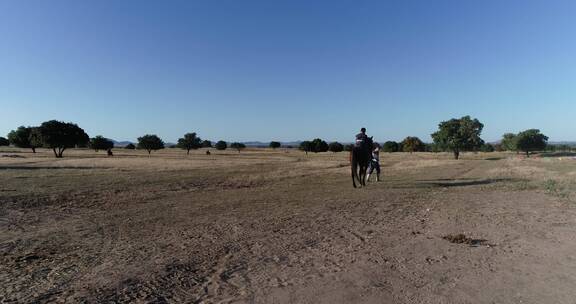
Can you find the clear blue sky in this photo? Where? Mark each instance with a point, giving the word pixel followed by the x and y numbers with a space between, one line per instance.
pixel 288 70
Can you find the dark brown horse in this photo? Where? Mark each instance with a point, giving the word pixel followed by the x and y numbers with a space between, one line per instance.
pixel 359 159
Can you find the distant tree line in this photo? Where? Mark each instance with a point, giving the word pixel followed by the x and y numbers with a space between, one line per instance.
pixel 455 135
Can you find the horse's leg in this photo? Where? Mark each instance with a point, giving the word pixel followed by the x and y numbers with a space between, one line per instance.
pixel 353 166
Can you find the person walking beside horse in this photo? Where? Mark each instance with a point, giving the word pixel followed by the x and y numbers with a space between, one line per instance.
pixel 374 164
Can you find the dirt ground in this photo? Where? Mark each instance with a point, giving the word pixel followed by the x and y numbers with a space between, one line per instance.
pixel 280 226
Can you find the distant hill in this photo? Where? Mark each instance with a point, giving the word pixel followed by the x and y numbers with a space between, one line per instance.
pixel 121 143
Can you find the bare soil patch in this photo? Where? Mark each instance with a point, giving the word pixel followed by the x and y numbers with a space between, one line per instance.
pixel 278 226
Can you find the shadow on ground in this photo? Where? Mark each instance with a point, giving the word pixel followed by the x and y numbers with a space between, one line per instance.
pixel 47 168
pixel 558 154
pixel 461 182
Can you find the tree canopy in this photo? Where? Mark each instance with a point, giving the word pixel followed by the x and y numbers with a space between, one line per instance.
pixel 150 142
pixel 412 144
pixel 238 146
pixel 130 146
pixel 318 145
pixel 459 135
pixel 275 144
pixel 24 137
pixel 190 141
pixel 4 141
pixel 101 143
pixel 59 136
pixel 335 147
pixel 531 140
pixel 206 144
pixel 390 146
pixel 221 145
pixel 306 146
pixel 508 142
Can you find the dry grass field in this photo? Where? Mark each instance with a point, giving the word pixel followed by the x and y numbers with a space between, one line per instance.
pixel 280 226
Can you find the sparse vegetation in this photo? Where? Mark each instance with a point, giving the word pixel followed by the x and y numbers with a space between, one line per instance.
pixel 130 146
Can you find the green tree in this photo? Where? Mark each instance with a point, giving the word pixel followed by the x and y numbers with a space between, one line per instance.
pixel 189 142
pixel 531 140
pixel 221 145
pixel 4 141
pixel 101 143
pixel 23 138
pixel 412 144
pixel 335 147
pixel 206 144
pixel 390 146
pixel 348 147
pixel 508 142
pixel 305 146
pixel 130 146
pixel 275 144
pixel 238 146
pixel 487 148
pixel 59 136
pixel 150 142
pixel 318 145
pixel 458 135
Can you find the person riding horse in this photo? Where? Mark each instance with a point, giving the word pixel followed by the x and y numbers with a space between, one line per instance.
pixel 360 157
pixel 361 138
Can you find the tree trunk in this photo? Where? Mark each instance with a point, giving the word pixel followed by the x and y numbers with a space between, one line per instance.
pixel 528 154
pixel 188 152
pixel 33 149
pixel 55 154
pixel 60 152
pixel 149 152
pixel 456 154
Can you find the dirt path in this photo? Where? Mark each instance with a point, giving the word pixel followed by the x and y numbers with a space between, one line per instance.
pixel 291 232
